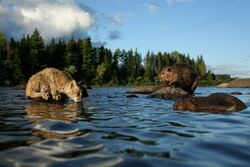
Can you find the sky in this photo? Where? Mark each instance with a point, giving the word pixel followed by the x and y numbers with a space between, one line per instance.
pixel 217 29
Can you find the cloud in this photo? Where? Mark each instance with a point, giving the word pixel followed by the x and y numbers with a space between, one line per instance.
pixel 171 2
pixel 113 35
pixel 120 17
pixel 53 18
pixel 235 70
pixel 153 7
pixel 117 19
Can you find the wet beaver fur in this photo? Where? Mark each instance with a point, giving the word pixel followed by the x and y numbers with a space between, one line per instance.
pixel 214 103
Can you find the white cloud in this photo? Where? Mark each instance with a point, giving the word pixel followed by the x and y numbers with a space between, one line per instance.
pixel 117 19
pixel 120 17
pixel 170 2
pixel 153 7
pixel 53 18
pixel 235 70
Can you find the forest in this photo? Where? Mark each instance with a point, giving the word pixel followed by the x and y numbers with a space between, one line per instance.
pixel 93 65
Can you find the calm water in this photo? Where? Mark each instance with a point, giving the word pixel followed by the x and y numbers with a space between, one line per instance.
pixel 110 129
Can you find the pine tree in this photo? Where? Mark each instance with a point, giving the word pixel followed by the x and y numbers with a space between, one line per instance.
pixel 137 62
pixel 115 66
pixel 3 54
pixel 123 74
pixel 38 49
pixel 201 66
pixel 87 67
pixel 159 62
pixel 13 63
pixel 130 68
pixel 71 58
pixel 79 63
pixel 149 67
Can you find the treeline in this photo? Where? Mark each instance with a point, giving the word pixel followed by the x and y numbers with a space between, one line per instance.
pixel 85 62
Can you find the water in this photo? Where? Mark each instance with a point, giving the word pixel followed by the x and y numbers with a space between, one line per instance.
pixel 110 129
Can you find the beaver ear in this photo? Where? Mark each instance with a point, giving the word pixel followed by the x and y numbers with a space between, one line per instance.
pixel 192 99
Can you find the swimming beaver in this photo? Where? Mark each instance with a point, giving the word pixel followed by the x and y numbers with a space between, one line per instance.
pixel 214 103
pixel 179 75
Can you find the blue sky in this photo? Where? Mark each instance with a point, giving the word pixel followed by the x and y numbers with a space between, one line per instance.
pixel 217 29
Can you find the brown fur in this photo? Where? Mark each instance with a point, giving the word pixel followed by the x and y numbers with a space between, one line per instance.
pixel 179 75
pixel 214 103
pixel 53 84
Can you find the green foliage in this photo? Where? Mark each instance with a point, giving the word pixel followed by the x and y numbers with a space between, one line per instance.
pixel 92 65
pixel 88 64
pixel 3 54
pixel 70 70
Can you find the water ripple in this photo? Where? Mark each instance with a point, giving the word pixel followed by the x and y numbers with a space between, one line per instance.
pixel 110 129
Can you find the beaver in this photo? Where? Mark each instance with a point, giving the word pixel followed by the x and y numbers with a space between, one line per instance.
pixel 214 103
pixel 179 75
pixel 52 84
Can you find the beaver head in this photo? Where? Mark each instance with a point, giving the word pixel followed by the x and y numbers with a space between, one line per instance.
pixel 73 90
pixel 186 104
pixel 169 75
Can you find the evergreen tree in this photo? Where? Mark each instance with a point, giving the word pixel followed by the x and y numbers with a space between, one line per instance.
pixel 115 66
pixel 122 70
pixel 71 58
pixel 3 53
pixel 130 68
pixel 24 46
pixel 137 62
pixel 87 56
pixel 149 67
pixel 201 66
pixel 13 63
pixel 159 62
pixel 37 52
pixel 79 63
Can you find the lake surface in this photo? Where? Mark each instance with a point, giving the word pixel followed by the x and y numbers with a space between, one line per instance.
pixel 110 129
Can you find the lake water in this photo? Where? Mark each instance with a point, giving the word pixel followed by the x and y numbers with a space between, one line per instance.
pixel 110 129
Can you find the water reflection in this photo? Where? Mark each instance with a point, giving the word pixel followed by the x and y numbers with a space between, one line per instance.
pixel 54 120
pixel 37 111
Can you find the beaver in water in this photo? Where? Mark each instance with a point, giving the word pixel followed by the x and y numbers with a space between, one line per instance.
pixel 179 75
pixel 214 103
